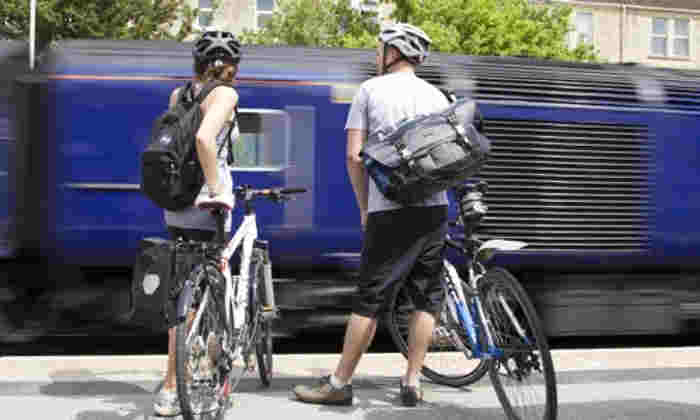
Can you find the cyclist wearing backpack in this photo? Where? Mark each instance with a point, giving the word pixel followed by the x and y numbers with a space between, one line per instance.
pixel 401 243
pixel 216 57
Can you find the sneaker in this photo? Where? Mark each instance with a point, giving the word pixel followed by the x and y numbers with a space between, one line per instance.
pixel 324 393
pixel 166 403
pixel 410 395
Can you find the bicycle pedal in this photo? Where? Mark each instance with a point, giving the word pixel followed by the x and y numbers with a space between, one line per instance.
pixel 269 313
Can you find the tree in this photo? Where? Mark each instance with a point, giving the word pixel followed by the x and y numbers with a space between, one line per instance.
pixel 90 19
pixel 320 23
pixel 495 27
pixel 473 27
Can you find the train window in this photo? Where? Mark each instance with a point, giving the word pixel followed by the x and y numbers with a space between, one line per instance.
pixel 264 140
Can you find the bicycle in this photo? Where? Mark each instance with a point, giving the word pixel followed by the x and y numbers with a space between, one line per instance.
pixel 226 318
pixel 488 318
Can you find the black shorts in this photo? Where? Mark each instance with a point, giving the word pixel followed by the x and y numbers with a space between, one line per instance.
pixel 199 235
pixel 404 245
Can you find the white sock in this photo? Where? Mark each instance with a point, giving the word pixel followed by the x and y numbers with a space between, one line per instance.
pixel 411 381
pixel 337 383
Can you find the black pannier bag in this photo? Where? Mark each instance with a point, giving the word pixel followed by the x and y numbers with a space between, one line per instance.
pixel 160 271
pixel 428 154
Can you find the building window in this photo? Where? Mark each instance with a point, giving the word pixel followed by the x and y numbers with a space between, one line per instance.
pixel 205 19
pixel 670 37
pixel 264 140
pixel 584 28
pixel 264 10
pixel 365 5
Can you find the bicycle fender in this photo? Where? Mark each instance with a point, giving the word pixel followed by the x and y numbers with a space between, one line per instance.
pixel 184 300
pixel 489 248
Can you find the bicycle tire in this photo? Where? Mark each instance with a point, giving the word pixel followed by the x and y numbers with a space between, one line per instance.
pixel 263 338
pixel 198 364
pixel 397 324
pixel 519 362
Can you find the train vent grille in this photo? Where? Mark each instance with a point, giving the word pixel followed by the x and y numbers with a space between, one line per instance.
pixel 569 186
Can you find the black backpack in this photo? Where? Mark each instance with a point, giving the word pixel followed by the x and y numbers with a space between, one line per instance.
pixel 171 175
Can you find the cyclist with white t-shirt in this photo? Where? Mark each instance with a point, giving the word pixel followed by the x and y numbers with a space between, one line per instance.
pixel 401 243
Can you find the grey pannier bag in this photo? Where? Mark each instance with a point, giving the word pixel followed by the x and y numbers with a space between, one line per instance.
pixel 427 154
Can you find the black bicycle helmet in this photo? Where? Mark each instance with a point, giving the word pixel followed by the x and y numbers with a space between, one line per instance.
pixel 217 45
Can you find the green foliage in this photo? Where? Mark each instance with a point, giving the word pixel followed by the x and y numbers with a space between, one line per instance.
pixel 90 19
pixel 320 23
pixel 475 27
pixel 495 27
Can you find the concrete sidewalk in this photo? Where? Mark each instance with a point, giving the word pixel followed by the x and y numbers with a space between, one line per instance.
pixel 592 384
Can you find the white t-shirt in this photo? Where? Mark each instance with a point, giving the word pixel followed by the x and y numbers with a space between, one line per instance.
pixel 380 104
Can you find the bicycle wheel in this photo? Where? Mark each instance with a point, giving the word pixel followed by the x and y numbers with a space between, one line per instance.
pixel 448 361
pixel 263 333
pixel 200 356
pixel 524 376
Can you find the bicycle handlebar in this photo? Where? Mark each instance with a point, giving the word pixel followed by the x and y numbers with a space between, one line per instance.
pixel 292 190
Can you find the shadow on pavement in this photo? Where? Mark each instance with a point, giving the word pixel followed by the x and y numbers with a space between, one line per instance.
pixel 122 400
pixel 626 375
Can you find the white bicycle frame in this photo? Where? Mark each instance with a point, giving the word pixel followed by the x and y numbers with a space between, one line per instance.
pixel 235 296
pixel 455 294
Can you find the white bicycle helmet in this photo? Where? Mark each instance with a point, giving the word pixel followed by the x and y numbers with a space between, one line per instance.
pixel 411 41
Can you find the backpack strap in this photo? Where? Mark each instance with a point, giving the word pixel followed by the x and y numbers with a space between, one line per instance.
pixel 208 87
pixel 184 95
pixel 234 124
pixel 449 94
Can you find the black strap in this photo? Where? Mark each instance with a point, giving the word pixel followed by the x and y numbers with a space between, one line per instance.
pixel 449 94
pixel 460 130
pixel 208 87
pixel 234 124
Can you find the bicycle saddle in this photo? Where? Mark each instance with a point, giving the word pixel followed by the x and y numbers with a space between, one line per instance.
pixel 224 201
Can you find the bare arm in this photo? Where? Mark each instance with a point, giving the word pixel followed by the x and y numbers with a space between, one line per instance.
pixel 217 108
pixel 173 98
pixel 356 169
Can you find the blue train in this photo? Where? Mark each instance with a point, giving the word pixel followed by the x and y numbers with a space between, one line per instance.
pixel 596 167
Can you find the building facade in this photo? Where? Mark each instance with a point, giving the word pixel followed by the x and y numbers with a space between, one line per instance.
pixel 663 33
pixel 237 15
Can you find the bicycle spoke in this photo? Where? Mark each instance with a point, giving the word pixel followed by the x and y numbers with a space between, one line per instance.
pixel 200 361
pixel 523 376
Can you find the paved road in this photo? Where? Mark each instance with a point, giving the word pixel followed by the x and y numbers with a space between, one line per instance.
pixel 659 384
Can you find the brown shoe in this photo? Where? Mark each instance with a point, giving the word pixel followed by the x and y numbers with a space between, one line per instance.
pixel 324 393
pixel 410 395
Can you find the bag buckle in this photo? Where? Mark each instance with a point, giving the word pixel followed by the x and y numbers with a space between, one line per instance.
pixel 405 154
pixel 459 128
